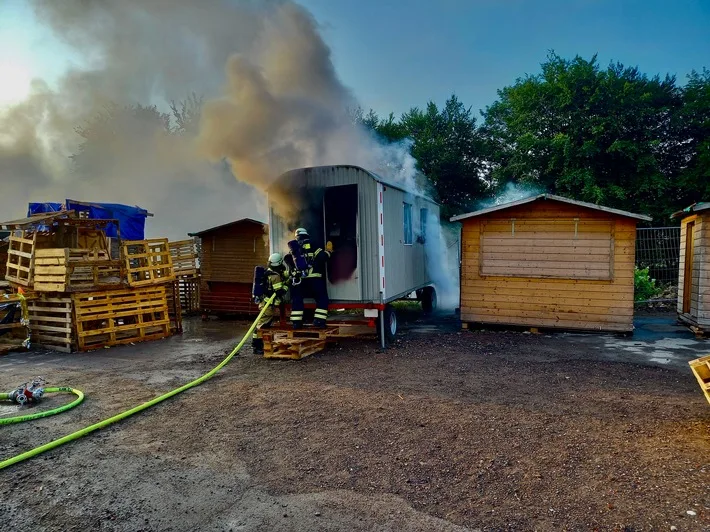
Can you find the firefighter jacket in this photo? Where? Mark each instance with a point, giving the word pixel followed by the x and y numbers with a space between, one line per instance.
pixel 316 257
pixel 277 282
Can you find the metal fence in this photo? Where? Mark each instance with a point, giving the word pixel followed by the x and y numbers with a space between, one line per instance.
pixel 658 249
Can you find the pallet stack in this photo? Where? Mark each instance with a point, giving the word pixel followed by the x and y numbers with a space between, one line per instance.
pixel 184 255
pixel 82 299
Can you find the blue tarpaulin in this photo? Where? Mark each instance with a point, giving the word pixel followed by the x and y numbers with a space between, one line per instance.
pixel 131 219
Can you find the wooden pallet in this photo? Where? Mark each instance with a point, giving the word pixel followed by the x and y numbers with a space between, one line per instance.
pixel 75 270
pixel 51 323
pixel 172 294
pixel 148 262
pixel 294 344
pixel 120 317
pixel 19 267
pixel 701 370
pixel 184 257
pixel 189 288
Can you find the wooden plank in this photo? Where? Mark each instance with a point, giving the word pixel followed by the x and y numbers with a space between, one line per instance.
pixel 510 315
pixel 548 323
pixel 554 308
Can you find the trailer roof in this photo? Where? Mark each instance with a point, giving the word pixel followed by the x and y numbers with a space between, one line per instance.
pixel 552 197
pixel 385 181
pixel 224 226
pixel 695 207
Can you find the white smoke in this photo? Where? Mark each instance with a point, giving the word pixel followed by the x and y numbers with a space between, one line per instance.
pixel 511 192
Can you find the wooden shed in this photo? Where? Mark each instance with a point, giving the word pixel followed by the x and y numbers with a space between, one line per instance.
pixel 228 255
pixel 548 261
pixel 694 272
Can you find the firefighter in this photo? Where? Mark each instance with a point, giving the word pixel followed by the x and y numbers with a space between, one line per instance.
pixel 276 280
pixel 312 282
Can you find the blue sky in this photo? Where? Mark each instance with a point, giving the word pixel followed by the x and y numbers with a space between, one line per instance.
pixel 398 54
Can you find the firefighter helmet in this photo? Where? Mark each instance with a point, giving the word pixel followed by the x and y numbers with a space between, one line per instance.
pixel 275 260
pixel 301 232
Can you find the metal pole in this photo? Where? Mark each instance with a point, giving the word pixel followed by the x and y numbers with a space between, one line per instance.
pixel 382 329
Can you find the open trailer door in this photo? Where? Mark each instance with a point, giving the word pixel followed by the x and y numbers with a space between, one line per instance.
pixel 341 227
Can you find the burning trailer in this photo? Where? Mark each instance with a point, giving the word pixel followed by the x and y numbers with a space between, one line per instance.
pixel 378 230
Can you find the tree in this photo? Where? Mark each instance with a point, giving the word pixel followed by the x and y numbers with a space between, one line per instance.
pixel 447 146
pixel 604 136
pixel 693 147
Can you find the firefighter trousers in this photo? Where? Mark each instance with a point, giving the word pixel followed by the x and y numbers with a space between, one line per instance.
pixel 316 288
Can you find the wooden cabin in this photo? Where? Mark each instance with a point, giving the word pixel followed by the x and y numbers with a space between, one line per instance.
pixel 694 271
pixel 228 255
pixel 549 262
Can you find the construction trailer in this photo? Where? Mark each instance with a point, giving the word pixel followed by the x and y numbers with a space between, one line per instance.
pixel 694 272
pixel 549 262
pixel 228 255
pixel 378 229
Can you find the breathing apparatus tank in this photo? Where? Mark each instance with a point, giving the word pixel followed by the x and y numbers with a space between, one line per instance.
pixel 299 259
pixel 258 286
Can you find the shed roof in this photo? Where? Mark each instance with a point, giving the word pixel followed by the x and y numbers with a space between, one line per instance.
pixel 552 197
pixel 695 207
pixel 230 224
pixel 385 181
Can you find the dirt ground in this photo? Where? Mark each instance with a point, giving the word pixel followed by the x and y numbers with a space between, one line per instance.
pixel 447 430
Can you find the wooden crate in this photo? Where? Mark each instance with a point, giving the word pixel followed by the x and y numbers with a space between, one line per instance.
pixel 172 294
pixel 189 288
pixel 20 260
pixel 184 257
pixel 295 344
pixel 74 270
pixel 148 262
pixel 14 324
pixel 51 323
pixel 120 317
pixel 701 370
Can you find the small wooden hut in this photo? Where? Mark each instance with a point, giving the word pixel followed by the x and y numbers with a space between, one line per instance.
pixel 694 271
pixel 228 255
pixel 550 262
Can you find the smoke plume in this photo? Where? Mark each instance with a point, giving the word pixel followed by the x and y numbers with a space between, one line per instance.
pixel 105 131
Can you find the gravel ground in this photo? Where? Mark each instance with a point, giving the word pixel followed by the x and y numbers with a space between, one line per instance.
pixel 445 431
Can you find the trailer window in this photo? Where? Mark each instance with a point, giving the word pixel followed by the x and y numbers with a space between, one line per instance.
pixel 423 215
pixel 407 224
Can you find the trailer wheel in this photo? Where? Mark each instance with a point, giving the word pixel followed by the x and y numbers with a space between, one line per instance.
pixel 390 317
pixel 429 300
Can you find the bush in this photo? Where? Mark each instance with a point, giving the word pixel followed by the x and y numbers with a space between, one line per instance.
pixel 644 287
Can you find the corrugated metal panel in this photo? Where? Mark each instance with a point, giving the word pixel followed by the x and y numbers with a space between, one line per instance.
pixel 405 263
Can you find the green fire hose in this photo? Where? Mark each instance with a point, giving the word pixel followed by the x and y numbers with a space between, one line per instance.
pixel 29 417
pixel 123 415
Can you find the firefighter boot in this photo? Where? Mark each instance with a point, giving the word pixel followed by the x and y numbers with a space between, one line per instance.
pixel 257 345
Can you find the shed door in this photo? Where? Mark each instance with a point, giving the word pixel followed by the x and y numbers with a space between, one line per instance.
pixel 688 270
pixel 340 215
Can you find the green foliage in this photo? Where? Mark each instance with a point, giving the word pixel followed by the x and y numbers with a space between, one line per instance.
pixel 599 135
pixel 448 148
pixel 644 287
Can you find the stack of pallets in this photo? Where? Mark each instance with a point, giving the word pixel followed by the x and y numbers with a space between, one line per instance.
pixel 83 299
pixel 184 255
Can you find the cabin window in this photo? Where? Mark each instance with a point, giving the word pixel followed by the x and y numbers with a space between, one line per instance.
pixel 423 215
pixel 548 248
pixel 408 224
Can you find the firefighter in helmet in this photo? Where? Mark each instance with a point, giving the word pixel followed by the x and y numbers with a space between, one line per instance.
pixel 276 280
pixel 312 282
